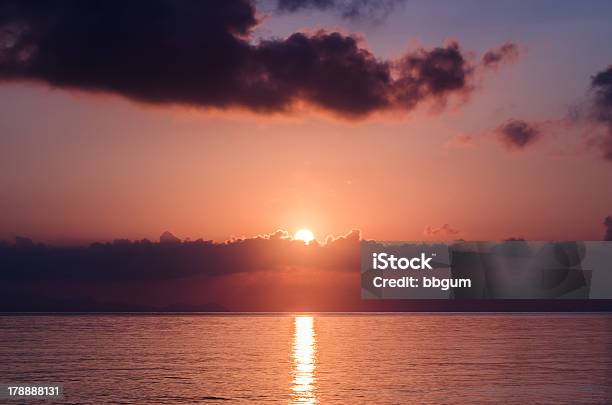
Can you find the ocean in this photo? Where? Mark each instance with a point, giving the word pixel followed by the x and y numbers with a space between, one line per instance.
pixel 312 358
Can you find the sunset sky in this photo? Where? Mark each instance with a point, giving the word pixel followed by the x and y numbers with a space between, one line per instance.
pixel 516 150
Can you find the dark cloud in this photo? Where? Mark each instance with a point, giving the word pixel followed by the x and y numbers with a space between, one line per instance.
pixel 200 54
pixel 444 230
pixel 507 52
pixel 297 5
pixel 168 237
pixel 432 73
pixel 608 224
pixel 517 134
pixel 172 258
pixel 264 273
pixel 140 275
pixel 601 85
pixel 367 10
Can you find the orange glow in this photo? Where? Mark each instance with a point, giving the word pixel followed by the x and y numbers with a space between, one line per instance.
pixel 304 351
pixel 304 235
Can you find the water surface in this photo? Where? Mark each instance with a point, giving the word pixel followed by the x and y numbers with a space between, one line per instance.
pixel 327 359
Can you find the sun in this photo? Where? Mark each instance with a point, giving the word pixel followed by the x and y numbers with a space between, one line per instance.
pixel 305 235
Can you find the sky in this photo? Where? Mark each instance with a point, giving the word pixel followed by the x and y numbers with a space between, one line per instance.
pixel 215 132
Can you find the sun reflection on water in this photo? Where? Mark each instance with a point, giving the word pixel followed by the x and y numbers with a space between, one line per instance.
pixel 304 353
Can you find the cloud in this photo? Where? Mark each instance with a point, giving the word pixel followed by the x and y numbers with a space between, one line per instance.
pixel 370 10
pixel 601 112
pixel 507 52
pixel 202 54
pixel 518 134
pixel 297 5
pixel 445 229
pixel 244 274
pixel 172 258
pixel 460 141
pixel 608 224
pixel 168 237
pixel 435 73
pixel 601 84
pixel 264 273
